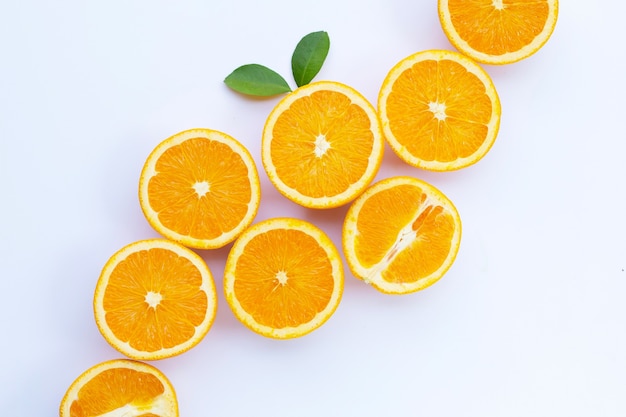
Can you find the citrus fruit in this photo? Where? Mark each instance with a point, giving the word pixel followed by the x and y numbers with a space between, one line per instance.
pixel 283 278
pixel 322 145
pixel 200 188
pixel 498 31
pixel 439 110
pixel 154 299
pixel 401 235
pixel 120 387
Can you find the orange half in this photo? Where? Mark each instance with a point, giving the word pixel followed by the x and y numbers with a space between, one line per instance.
pixel 439 110
pixel 154 299
pixel 283 278
pixel 120 387
pixel 401 235
pixel 200 188
pixel 498 31
pixel 322 145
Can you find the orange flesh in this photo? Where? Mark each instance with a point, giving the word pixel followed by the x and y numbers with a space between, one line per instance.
pixel 115 388
pixel 182 306
pixel 498 31
pixel 347 129
pixel 467 110
pixel 383 219
pixel 196 161
pixel 276 254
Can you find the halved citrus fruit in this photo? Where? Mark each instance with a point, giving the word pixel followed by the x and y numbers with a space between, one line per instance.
pixel 322 145
pixel 439 110
pixel 154 299
pixel 401 235
pixel 498 31
pixel 200 188
pixel 120 387
pixel 283 278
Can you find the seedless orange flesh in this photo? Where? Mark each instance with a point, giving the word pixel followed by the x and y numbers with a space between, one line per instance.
pixel 322 145
pixel 498 31
pixel 439 110
pixel 283 278
pixel 401 235
pixel 154 299
pixel 120 387
pixel 200 188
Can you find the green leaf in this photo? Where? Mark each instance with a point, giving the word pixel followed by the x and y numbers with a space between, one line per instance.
pixel 257 80
pixel 309 56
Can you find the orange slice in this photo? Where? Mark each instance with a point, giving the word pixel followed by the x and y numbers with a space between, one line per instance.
pixel 283 278
pixel 498 31
pixel 401 235
pixel 154 299
pixel 439 110
pixel 120 387
pixel 322 145
pixel 200 188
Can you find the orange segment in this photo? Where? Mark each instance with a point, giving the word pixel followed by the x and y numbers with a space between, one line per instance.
pixel 154 299
pixel 322 145
pixel 200 188
pixel 120 387
pixel 283 278
pixel 401 235
pixel 439 110
pixel 498 31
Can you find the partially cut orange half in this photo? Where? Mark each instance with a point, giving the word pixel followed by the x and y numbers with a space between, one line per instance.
pixel 154 299
pixel 401 235
pixel 120 387
pixel 283 278
pixel 439 110
pixel 322 145
pixel 200 188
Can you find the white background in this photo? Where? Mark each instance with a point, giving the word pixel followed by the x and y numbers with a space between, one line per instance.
pixel 529 321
